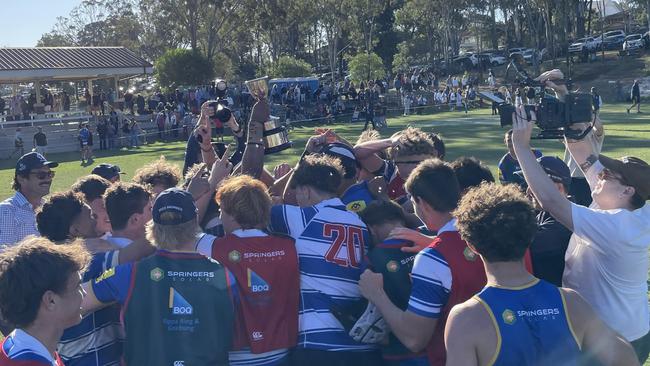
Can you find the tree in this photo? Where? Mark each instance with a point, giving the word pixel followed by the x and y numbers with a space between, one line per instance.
pixel 366 67
pixel 287 66
pixel 183 67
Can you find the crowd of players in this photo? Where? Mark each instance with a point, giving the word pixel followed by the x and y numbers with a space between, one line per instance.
pixel 372 253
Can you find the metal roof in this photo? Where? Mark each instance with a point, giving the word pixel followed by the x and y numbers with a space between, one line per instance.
pixel 68 58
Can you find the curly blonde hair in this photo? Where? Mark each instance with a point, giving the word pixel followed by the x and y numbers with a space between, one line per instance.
pixel 413 141
pixel 159 172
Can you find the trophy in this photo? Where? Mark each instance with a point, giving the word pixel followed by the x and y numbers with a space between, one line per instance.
pixel 276 136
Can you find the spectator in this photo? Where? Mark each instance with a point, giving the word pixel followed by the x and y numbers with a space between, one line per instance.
pixel 635 95
pixel 158 175
pixel 84 140
pixel 508 164
pixel 40 294
pixel 173 293
pixel 434 192
pixel 502 323
pixel 607 255
pixel 19 144
pixel 596 101
pixel 40 141
pixel 102 131
pixel 32 181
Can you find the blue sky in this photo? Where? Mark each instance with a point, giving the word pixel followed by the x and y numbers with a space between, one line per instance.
pixel 24 21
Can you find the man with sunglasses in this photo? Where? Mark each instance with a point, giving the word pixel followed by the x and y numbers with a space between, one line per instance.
pixel 32 182
pixel 607 257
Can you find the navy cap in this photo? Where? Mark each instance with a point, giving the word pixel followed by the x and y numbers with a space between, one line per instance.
pixel 33 160
pixel 174 206
pixel 107 171
pixel 346 154
pixel 556 169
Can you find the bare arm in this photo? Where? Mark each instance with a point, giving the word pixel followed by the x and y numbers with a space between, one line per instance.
pixel 253 159
pixel 90 302
pixel 414 331
pixel 135 251
pixel 459 329
pixel 545 191
pixel 594 336
pixel 366 153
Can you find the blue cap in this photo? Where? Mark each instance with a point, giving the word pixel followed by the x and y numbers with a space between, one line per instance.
pixel 173 206
pixel 107 171
pixel 33 160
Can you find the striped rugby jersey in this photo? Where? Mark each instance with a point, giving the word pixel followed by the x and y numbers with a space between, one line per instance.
pixel 332 244
pixel 98 339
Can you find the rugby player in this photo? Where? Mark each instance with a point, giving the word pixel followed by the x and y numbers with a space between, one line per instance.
pixel 444 274
pixel 331 244
pixel 518 319
pixel 176 304
pixel 266 269
pixel 40 295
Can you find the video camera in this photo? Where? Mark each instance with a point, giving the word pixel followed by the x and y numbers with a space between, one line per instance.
pixel 554 117
pixel 219 108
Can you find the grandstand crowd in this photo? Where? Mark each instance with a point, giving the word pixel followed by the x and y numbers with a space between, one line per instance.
pixel 369 252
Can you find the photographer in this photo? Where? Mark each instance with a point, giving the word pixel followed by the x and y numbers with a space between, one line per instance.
pixel 607 257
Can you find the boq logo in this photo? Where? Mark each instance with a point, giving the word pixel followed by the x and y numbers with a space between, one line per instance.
pixel 257 283
pixel 178 304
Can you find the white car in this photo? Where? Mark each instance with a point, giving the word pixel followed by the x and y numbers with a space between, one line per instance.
pixel 496 60
pixel 633 42
pixel 587 43
pixel 516 51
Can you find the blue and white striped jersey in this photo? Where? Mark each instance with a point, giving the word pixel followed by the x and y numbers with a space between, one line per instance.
pixel 98 339
pixel 332 244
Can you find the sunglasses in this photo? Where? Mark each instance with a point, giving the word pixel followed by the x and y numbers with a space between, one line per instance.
pixel 416 162
pixel 607 174
pixel 43 175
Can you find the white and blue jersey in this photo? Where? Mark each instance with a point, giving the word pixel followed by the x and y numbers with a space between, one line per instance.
pixel 331 244
pixel 431 277
pixel 99 338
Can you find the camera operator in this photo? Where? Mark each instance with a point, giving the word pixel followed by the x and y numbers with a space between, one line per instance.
pixel 607 257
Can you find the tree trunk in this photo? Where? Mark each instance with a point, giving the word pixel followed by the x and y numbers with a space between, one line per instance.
pixel 493 31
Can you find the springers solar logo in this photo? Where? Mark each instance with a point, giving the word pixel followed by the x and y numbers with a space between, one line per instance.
pixel 257 283
pixel 509 317
pixel 178 304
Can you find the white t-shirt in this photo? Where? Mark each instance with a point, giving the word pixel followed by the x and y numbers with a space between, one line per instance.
pixel 607 263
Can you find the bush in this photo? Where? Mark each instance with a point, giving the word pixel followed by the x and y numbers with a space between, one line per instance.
pixel 183 67
pixel 366 67
pixel 289 67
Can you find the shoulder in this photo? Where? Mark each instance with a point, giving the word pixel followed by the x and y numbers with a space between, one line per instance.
pixel 466 315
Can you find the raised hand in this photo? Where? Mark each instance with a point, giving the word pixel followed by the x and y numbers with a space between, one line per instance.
pixel 199 184
pixel 281 170
pixel 220 169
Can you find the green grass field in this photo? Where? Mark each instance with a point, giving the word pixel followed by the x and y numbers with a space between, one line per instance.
pixel 475 134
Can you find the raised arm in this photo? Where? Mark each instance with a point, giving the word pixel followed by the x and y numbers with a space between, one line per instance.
pixel 544 190
pixel 253 159
pixel 366 153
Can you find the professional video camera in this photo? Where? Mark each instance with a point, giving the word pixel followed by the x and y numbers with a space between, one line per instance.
pixel 219 108
pixel 554 116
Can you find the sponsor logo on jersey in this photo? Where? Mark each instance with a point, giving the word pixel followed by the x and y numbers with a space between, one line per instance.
pixel 509 317
pixel 182 276
pixel 234 256
pixel 538 312
pixel 156 274
pixel 469 254
pixel 177 303
pixel 179 363
pixel 257 336
pixel 257 283
pixel 264 255
pixel 356 206
pixel 107 274
pixel 392 266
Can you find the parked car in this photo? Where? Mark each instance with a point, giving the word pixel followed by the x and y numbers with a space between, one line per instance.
pixel 633 42
pixel 466 61
pixel 516 51
pixel 528 55
pixel 613 40
pixel 583 44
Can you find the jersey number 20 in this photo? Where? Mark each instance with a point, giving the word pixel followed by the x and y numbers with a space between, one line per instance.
pixel 347 248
